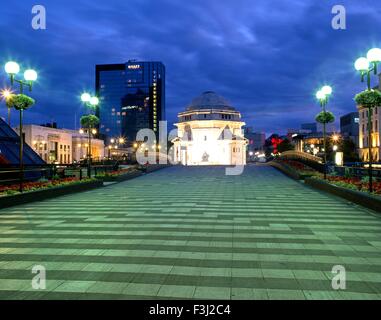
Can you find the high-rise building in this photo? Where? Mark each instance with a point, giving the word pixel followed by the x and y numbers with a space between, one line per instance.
pixel 256 140
pixel 349 126
pixel 132 97
pixel 311 127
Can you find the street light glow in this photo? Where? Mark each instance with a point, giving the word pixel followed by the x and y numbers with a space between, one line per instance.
pixel 30 75
pixel 85 97
pixel 374 55
pixel 327 90
pixel 6 93
pixel 320 95
pixel 94 101
pixel 12 67
pixel 362 64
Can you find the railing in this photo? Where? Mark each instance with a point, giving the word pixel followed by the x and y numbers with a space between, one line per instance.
pixel 306 158
pixel 354 172
pixel 300 155
pixel 11 174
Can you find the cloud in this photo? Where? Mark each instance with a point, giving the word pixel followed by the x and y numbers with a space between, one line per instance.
pixel 266 57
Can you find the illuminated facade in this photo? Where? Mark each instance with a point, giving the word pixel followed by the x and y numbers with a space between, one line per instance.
pixel 61 146
pixel 132 97
pixel 210 133
pixel 363 134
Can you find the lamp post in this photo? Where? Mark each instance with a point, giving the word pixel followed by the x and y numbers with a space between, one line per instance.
pixel 91 102
pixel 366 66
pixel 323 95
pixel 21 102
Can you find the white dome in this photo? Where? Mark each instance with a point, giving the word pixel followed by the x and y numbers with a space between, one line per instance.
pixel 209 100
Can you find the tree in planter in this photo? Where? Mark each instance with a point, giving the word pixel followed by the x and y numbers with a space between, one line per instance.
pixel 20 102
pixel 324 117
pixel 349 149
pixel 89 122
pixel 285 145
pixel 369 99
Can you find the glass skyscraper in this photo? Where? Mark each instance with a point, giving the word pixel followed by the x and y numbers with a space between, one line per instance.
pixel 132 97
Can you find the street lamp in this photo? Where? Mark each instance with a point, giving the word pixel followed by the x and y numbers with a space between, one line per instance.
pixel 20 102
pixel 88 145
pixel 366 66
pixel 91 121
pixel 323 96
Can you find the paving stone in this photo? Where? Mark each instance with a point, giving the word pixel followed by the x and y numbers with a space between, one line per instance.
pixel 192 233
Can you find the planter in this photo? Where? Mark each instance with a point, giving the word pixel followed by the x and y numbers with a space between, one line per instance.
pixel 358 197
pixel 121 177
pixel 287 170
pixel 39 195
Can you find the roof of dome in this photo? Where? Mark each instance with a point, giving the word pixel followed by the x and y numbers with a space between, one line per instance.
pixel 209 100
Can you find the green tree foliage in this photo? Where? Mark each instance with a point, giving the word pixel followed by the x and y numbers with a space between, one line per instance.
pixel 325 117
pixel 89 121
pixel 20 101
pixel 285 145
pixel 368 98
pixel 348 147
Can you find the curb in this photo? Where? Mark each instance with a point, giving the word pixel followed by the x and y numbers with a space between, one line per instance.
pixel 39 195
pixel 358 197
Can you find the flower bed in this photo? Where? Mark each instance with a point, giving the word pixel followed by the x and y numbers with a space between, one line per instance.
pixel 6 190
pixel 348 191
pixel 38 191
pixel 298 169
pixel 301 168
pixel 354 183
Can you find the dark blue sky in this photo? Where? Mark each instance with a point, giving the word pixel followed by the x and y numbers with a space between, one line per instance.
pixel 266 57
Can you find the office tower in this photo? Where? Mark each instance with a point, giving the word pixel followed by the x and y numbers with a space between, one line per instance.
pixel 132 97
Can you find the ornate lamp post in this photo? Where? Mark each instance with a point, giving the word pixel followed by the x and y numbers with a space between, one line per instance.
pixel 20 102
pixel 89 122
pixel 369 99
pixel 324 117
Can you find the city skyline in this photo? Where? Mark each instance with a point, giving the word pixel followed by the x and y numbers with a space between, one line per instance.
pixel 204 47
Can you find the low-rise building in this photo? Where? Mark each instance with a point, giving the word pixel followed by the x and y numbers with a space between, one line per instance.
pixel 61 146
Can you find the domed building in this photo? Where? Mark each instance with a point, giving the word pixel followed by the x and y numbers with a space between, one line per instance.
pixel 210 133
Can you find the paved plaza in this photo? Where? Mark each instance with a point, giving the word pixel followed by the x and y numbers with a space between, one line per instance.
pixel 192 233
